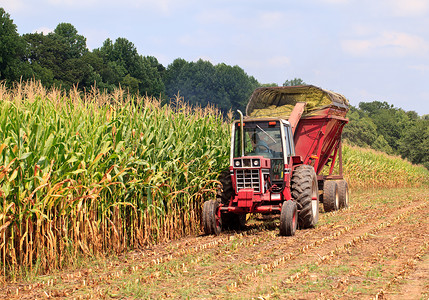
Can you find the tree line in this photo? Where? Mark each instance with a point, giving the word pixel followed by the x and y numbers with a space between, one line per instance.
pixel 383 127
pixel 61 58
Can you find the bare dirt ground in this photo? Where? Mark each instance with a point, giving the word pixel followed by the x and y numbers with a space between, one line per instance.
pixel 378 248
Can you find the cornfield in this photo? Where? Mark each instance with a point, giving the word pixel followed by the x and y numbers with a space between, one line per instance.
pixel 94 173
pixel 366 168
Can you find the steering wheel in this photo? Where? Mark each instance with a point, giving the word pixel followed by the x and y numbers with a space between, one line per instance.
pixel 262 148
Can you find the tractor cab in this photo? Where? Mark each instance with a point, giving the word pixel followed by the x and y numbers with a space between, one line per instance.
pixel 259 154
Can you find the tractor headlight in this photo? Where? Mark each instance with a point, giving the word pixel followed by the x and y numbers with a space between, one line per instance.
pixel 237 163
pixel 256 162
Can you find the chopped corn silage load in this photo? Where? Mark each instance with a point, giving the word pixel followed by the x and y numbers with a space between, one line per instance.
pixel 280 101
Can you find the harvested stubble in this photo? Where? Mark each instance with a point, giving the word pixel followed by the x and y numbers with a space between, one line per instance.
pixel 94 173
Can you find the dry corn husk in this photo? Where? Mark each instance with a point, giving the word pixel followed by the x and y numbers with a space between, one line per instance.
pixel 280 101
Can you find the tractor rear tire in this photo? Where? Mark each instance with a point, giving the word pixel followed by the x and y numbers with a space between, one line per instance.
pixel 212 223
pixel 288 218
pixel 225 190
pixel 306 194
pixel 331 200
pixel 343 193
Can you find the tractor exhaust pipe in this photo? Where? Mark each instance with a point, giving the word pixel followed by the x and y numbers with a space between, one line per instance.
pixel 241 131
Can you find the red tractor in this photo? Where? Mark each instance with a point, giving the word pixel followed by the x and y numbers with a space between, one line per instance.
pixel 277 155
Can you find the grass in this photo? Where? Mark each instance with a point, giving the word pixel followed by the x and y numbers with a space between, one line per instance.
pixel 375 272
pixel 338 270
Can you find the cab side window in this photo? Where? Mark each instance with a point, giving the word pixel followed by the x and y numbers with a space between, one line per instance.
pixel 289 141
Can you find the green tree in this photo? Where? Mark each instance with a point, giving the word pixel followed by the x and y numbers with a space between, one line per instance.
pixel 381 144
pixel 269 85
pixel 236 85
pixel 173 78
pixel 74 44
pixel 123 65
pixel 59 57
pixel 414 144
pixel 154 63
pixel 41 56
pixel 195 81
pixel 151 77
pixel 12 48
pixel 381 126
pixel 391 122
pixel 92 77
pixel 130 83
pixel 294 82
pixel 361 130
pixel 202 83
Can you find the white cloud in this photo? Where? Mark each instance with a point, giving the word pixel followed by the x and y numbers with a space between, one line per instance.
pixel 95 37
pixel 269 63
pixel 163 59
pixel 12 6
pixel 337 1
pixel 365 95
pixel 271 20
pixel 218 16
pixel 362 29
pixel 421 68
pixel 200 39
pixel 163 6
pixel 408 8
pixel 263 20
pixel 75 3
pixel 44 30
pixel 204 58
pixel 278 61
pixel 387 44
pixel 166 7
pixel 356 47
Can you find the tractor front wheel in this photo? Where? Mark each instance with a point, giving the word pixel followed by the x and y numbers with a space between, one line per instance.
pixel 288 218
pixel 212 221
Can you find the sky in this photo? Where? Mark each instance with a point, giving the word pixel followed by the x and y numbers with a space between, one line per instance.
pixel 367 50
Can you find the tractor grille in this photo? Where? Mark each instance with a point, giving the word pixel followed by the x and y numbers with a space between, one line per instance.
pixel 248 179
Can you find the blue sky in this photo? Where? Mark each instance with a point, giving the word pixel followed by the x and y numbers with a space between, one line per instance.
pixel 366 50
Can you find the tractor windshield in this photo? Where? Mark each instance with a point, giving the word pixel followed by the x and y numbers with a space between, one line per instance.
pixel 261 138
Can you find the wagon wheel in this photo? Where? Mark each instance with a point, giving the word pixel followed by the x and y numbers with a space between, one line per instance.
pixel 288 218
pixel 331 200
pixel 343 193
pixel 212 221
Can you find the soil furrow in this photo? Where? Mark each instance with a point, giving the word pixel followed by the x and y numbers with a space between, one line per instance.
pixel 361 256
pixel 378 234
